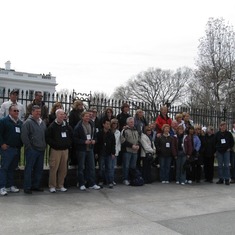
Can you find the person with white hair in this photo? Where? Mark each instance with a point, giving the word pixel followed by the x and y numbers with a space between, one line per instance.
pixel 130 140
pixel 59 138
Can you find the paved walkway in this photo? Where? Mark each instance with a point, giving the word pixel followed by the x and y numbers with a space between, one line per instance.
pixel 150 209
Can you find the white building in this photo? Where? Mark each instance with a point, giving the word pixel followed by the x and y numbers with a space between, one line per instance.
pixel 11 79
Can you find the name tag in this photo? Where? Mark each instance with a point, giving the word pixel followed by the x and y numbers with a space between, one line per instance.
pixel 167 145
pixel 63 134
pixel 223 141
pixel 17 129
pixel 88 137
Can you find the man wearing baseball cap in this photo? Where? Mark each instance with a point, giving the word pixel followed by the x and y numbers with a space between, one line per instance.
pixel 13 96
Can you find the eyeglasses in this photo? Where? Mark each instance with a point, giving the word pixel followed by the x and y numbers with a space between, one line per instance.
pixel 16 111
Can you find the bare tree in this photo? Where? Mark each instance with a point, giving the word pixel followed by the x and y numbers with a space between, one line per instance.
pixel 100 95
pixel 216 65
pixel 156 86
pixel 121 93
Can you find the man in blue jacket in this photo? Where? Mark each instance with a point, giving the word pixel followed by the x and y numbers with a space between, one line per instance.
pixel 10 142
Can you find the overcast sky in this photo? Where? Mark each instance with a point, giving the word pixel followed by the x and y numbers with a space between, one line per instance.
pixel 97 45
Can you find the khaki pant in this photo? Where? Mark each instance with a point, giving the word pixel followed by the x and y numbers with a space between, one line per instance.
pixel 58 167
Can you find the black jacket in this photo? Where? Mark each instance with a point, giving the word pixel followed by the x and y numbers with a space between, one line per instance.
pixel 209 146
pixel 122 117
pixel 223 141
pixel 105 143
pixel 164 145
pixel 79 136
pixel 59 137
pixel 75 117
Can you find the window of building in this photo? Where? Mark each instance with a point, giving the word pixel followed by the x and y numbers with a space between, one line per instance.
pixel 31 94
pixel 1 91
pixel 45 96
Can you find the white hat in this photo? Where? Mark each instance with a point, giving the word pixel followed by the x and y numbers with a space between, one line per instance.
pixel 204 129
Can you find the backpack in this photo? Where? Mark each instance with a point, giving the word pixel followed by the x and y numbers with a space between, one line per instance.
pixel 136 178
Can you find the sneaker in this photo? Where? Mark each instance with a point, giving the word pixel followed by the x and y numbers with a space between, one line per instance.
pixel 220 181
pixel 163 182
pixel 110 185
pixel 62 189
pixel 52 190
pixel 12 189
pixel 126 182
pixel 37 189
pixel 95 186
pixel 182 183
pixel 177 182
pixel 190 181
pixel 28 191
pixel 3 191
pixel 83 188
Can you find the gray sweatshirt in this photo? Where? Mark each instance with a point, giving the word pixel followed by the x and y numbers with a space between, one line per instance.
pixel 33 134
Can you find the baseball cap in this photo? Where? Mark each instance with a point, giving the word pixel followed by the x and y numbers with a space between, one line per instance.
pixel 14 91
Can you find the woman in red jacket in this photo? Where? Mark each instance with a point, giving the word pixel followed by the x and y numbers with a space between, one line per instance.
pixel 162 119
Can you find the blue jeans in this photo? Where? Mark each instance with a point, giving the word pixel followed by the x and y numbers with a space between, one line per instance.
pixel 146 170
pixel 108 168
pixel 86 163
pixel 165 166
pixel 128 161
pixel 223 165
pixel 101 169
pixel 9 162
pixel 232 162
pixel 114 163
pixel 180 172
pixel 33 168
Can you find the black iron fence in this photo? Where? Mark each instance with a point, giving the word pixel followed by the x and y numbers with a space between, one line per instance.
pixel 203 117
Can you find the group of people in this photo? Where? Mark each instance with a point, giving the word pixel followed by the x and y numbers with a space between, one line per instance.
pixel 86 140
pixel 189 148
